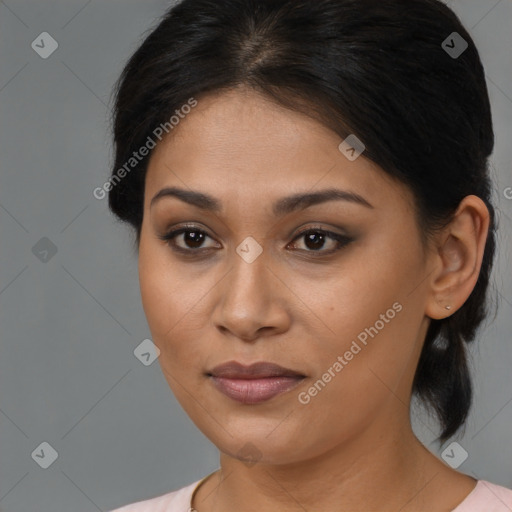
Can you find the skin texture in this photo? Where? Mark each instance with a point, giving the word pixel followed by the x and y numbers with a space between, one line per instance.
pixel 351 447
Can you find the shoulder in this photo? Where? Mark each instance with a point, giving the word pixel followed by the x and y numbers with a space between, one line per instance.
pixel 487 497
pixel 178 501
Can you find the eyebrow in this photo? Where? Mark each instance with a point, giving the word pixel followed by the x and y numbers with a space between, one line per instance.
pixel 281 207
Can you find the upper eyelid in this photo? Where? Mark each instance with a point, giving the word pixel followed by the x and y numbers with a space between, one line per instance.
pixel 205 231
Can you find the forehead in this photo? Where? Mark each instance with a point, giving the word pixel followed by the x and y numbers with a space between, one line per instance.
pixel 242 146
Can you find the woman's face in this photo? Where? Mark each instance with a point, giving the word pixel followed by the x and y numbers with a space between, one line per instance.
pixel 347 317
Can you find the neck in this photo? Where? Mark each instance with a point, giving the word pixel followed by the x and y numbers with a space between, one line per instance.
pixel 373 471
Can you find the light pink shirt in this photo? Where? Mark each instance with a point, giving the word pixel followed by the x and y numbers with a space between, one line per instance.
pixel 485 497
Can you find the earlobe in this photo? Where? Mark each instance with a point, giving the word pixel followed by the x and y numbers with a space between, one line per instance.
pixel 458 258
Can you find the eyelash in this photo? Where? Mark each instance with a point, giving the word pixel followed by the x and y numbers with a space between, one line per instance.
pixel 169 237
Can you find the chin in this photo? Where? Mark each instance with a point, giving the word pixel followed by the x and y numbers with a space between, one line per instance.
pixel 254 440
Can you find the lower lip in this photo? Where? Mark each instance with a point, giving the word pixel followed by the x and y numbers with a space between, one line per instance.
pixel 254 391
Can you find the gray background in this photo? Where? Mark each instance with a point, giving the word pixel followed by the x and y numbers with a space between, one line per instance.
pixel 70 325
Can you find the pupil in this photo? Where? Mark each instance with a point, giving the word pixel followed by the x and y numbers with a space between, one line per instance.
pixel 193 237
pixel 311 237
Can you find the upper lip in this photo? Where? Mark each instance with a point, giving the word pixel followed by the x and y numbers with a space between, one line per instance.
pixel 236 370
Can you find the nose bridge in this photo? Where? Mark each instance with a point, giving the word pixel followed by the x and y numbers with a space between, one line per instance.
pixel 249 300
pixel 248 282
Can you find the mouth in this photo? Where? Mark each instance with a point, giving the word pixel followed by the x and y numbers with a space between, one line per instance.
pixel 253 384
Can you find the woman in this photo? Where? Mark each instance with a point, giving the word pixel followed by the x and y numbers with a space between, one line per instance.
pixel 307 182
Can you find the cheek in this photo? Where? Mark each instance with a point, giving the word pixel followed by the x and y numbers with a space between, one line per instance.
pixel 357 374
pixel 174 303
pixel 353 295
pixel 369 316
pixel 164 292
pixel 153 281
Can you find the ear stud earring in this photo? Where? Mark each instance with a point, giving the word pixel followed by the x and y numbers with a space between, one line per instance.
pixel 447 307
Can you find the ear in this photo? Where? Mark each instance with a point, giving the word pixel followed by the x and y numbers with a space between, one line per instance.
pixel 457 258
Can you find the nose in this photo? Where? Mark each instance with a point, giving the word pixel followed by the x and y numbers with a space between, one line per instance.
pixel 251 301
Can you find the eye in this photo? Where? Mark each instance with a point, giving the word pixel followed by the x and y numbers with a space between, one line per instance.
pixel 315 239
pixel 192 239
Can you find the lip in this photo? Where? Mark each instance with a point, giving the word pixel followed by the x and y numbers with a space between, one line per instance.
pixel 255 383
